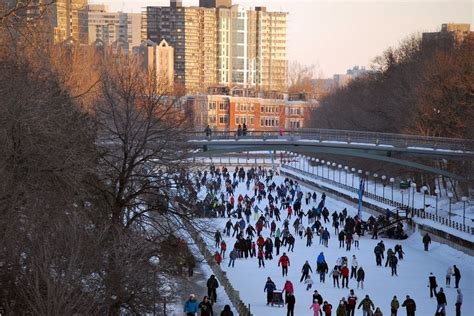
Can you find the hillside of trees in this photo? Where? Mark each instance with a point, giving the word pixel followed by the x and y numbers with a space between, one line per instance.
pixel 413 89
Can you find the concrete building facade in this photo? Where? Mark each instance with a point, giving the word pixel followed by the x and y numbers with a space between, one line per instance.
pixel 112 28
pixel 158 60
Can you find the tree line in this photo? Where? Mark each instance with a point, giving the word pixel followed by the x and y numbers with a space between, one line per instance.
pixel 91 160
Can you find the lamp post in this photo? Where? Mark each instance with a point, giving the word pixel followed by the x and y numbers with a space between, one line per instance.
pixel 436 192
pixel 317 166
pixel 339 167
pixel 392 181
pixel 322 168
pixel 155 261
pixel 450 196
pixel 383 186
pixel 353 173
pixel 329 165
pixel 346 168
pixel 464 200
pixel 360 175
pixel 413 185
pixel 424 189
pixel 333 171
pixel 313 160
pixel 375 182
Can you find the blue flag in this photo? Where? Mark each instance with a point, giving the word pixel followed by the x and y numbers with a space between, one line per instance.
pixel 361 195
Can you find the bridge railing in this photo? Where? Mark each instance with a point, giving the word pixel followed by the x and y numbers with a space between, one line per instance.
pixel 348 137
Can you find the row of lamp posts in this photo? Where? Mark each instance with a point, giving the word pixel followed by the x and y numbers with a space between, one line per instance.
pixel 411 190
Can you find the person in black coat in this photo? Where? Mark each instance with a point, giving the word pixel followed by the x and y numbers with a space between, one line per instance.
pixel 205 307
pixel 212 286
pixel 410 305
pixel 441 300
pixel 290 302
pixel 457 276
pixel 432 284
pixel 426 241
pixel 226 311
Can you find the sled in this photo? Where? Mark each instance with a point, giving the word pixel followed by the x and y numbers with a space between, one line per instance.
pixel 277 299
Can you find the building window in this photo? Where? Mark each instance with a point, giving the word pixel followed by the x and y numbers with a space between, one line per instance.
pixel 223 119
pixel 212 119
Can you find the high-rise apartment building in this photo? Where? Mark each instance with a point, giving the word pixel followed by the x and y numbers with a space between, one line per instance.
pixel 192 32
pixel 112 28
pixel 224 44
pixel 451 34
pixel 64 16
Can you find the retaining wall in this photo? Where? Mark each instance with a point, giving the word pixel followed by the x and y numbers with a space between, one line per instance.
pixel 221 275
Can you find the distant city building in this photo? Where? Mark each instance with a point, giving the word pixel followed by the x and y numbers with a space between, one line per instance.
pixel 158 60
pixel 451 34
pixel 219 43
pixel 112 28
pixel 227 112
pixel 356 71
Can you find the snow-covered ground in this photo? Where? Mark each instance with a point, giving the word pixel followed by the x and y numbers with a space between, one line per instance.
pixel 412 276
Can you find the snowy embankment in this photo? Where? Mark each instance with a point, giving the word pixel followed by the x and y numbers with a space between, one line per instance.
pixel 412 276
pixel 436 225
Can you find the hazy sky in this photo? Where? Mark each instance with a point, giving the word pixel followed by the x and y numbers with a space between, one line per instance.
pixel 336 35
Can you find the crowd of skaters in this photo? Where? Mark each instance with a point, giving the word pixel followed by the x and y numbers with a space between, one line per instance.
pixel 285 203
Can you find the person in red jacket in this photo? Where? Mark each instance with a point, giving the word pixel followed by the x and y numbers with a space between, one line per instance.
pixel 260 241
pixel 290 211
pixel 259 227
pixel 285 263
pixel 223 249
pixel 218 258
pixel 288 289
pixel 345 276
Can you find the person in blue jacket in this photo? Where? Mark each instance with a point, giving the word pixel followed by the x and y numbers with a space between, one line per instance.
pixel 191 306
pixel 320 258
pixel 270 287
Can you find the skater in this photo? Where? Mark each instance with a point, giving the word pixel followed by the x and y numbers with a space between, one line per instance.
pixel 322 268
pixel 378 255
pixel 441 300
pixel 432 284
pixel 315 307
pixel 232 257
pixel 287 288
pixel 341 309
pixel 351 303
pixel 335 276
pixel 261 262
pixel 394 306
pixel 410 306
pixel 217 238
pixel 449 273
pixel 367 306
pixel 285 263
pixel 345 276
pixel 354 266
pixel 309 283
pixel 205 307
pixel 226 311
pixel 191 306
pixel 212 286
pixel 360 277
pixel 290 302
pixel 305 271
pixel 459 299
pixel 393 264
pixel 327 309
pixel 457 276
pixel 269 288
pixel 426 241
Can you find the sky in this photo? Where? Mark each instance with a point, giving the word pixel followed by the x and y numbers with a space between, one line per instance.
pixel 336 35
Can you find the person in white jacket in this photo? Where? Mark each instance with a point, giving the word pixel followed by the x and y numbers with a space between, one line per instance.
pixel 449 273
pixel 356 238
pixel 354 266
pixel 309 283
pixel 458 303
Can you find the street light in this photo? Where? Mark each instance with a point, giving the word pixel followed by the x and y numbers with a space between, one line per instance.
pixel 464 200
pixel 413 185
pixel 353 173
pixel 436 192
pixel 346 168
pixel 317 166
pixel 360 175
pixel 339 166
pixel 392 181
pixel 383 186
pixel 328 164
pixel 450 196
pixel 375 182
pixel 333 171
pixel 424 189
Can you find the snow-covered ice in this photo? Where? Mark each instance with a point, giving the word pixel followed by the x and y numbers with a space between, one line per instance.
pixel 412 276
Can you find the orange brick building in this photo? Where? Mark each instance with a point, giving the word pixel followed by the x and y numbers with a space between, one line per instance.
pixel 226 113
